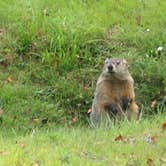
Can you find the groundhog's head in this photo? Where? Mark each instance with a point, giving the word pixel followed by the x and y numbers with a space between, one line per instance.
pixel 116 66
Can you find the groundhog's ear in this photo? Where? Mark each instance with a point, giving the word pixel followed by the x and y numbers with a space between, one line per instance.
pixel 106 60
pixel 125 62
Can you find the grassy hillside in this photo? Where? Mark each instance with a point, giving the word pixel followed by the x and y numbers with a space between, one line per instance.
pixel 52 53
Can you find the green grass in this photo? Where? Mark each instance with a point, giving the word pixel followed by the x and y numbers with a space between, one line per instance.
pixel 54 52
pixel 51 54
pixel 86 146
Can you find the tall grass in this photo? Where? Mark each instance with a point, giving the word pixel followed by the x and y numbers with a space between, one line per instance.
pixel 54 50
pixel 60 29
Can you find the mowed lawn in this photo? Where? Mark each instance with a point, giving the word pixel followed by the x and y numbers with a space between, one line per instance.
pixel 134 143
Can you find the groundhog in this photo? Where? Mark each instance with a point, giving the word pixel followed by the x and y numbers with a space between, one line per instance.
pixel 114 94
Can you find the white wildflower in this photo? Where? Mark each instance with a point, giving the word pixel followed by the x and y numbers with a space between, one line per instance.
pixel 160 48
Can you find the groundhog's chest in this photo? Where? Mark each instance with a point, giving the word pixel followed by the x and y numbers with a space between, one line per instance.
pixel 115 90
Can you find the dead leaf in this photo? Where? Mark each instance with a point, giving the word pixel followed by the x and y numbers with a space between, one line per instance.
pixel 164 126
pixel 37 163
pixel 40 33
pixel 120 138
pixel 138 20
pixel 36 120
pixel 89 110
pixel 153 104
pixel 29 110
pixel 75 119
pixel 163 160
pixel 22 145
pixel 4 153
pixel 35 44
pixel 154 138
pixel 9 79
pixel 150 162
pixel 109 35
pixel 86 88
pixel 1 112
pixel 2 31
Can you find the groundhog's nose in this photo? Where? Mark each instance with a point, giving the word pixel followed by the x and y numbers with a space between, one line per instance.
pixel 110 67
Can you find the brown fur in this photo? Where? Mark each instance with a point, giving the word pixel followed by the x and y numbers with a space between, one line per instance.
pixel 114 93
